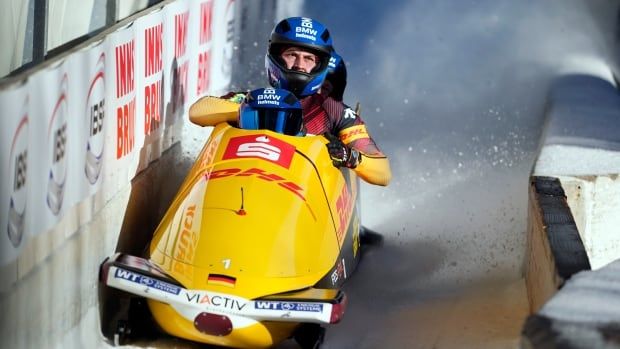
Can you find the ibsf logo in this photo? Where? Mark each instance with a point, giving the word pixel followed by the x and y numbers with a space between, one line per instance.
pixel 18 170
pixel 57 141
pixel 95 112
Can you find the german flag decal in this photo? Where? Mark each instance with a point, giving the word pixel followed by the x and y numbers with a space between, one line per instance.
pixel 222 280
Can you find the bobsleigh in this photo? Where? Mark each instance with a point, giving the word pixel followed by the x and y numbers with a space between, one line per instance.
pixel 254 248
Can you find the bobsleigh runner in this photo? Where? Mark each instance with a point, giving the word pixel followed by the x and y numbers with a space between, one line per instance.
pixel 254 248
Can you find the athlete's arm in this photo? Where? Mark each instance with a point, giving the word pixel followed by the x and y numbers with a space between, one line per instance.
pixel 211 110
pixel 373 166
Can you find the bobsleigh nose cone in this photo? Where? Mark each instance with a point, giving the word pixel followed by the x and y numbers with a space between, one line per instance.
pixel 213 324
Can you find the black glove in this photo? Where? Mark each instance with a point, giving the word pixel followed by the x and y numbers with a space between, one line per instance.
pixel 341 155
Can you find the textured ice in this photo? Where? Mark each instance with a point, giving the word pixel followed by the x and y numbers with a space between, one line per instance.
pixel 588 297
pixel 556 160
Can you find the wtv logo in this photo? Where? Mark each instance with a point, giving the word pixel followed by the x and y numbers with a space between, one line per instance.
pixel 95 112
pixel 18 173
pixel 57 141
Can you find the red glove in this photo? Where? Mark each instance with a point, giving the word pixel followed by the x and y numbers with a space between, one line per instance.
pixel 341 155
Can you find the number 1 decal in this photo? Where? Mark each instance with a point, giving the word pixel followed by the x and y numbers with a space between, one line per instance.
pixel 226 263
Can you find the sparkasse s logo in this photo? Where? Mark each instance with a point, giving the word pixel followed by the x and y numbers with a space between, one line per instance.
pixel 259 146
pixel 56 142
pixel 18 173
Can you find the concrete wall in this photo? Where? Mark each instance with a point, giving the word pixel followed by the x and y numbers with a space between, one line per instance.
pixel 51 284
pixel 580 153
pixel 581 147
pixel 48 295
pixel 595 200
pixel 555 249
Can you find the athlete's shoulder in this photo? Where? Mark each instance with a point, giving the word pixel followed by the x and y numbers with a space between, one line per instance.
pixel 336 108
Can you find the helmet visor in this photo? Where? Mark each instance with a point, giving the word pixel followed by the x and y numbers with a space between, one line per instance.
pixel 288 122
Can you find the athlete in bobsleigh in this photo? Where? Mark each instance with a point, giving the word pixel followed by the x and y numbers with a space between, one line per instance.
pixel 301 59
pixel 266 228
pixel 257 243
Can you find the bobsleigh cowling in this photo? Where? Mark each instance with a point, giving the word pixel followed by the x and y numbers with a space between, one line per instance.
pixel 254 248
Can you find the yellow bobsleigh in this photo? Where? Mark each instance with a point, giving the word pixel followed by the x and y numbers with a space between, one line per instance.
pixel 253 249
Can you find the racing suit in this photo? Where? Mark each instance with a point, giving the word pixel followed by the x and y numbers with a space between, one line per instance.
pixel 321 114
pixel 325 114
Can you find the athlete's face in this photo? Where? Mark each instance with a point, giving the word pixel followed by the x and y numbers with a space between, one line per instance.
pixel 299 59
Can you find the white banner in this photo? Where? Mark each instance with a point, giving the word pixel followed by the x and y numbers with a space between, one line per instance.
pixel 52 140
pixel 120 105
pixel 87 110
pixel 200 42
pixel 176 61
pixel 15 162
pixel 223 46
pixel 77 127
pixel 149 82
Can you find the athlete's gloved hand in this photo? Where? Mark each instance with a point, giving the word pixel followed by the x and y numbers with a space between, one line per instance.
pixel 235 97
pixel 341 155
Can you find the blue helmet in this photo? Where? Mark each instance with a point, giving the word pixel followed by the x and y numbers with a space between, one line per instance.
pixel 337 76
pixel 272 109
pixel 304 33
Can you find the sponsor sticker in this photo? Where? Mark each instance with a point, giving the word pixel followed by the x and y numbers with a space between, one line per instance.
pixel 344 207
pixel 339 273
pixel 221 302
pixel 147 281
pixel 306 30
pixel 258 173
pixel 262 147
pixel 356 236
pixel 289 306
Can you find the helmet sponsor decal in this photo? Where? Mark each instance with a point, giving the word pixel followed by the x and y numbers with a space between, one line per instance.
pixel 306 30
pixel 268 96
